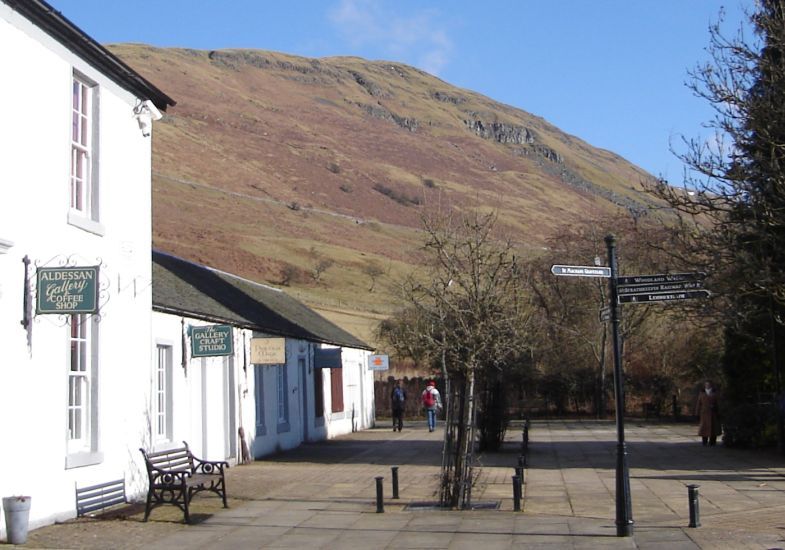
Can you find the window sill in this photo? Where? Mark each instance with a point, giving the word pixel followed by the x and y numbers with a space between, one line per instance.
pixel 79 460
pixel 91 226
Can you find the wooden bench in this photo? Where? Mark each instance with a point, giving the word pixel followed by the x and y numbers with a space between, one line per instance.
pixel 176 475
pixel 100 497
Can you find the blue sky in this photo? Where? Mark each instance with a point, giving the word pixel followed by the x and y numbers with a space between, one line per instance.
pixel 611 72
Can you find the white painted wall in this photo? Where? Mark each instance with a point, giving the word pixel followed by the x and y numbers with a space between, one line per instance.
pixel 358 396
pixel 35 151
pixel 205 393
pixel 213 397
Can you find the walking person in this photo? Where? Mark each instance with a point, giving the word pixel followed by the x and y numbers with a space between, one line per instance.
pixel 708 411
pixel 398 402
pixel 432 402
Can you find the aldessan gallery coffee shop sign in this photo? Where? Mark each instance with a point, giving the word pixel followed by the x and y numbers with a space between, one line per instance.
pixel 67 290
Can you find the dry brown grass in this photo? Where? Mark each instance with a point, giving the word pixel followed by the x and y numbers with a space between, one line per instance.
pixel 267 155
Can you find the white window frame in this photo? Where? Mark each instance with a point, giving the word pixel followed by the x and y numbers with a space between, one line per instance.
pixel 82 392
pixel 162 423
pixel 83 209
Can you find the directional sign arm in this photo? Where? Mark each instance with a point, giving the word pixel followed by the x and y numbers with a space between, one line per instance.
pixel 663 297
pixel 581 271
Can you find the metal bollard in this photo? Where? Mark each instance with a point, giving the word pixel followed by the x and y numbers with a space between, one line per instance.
pixel 516 494
pixel 394 481
pixel 521 468
pixel 520 474
pixel 379 495
pixel 695 513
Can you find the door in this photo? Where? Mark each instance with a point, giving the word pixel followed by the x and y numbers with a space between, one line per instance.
pixel 218 409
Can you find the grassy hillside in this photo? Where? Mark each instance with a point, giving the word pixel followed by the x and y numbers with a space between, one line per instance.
pixel 271 163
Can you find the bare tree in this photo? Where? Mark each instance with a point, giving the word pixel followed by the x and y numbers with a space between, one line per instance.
pixel 571 340
pixel 373 270
pixel 289 273
pixel 466 313
pixel 320 263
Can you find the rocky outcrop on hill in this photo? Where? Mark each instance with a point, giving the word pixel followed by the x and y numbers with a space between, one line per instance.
pixel 501 132
pixel 274 156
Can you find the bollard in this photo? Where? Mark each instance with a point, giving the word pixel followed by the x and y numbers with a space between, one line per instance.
pixel 379 495
pixel 395 481
pixel 516 494
pixel 695 513
pixel 521 468
pixel 520 473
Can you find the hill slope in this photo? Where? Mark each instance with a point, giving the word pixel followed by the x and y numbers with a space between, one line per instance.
pixel 271 163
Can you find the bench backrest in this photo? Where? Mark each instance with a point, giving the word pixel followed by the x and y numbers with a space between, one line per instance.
pixel 179 459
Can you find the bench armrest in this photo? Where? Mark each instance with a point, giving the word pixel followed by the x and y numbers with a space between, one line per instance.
pixel 210 467
pixel 167 477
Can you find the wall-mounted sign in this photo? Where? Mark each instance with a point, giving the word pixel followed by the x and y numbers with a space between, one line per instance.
pixel 211 340
pixel 67 290
pixel 327 358
pixel 378 362
pixel 268 351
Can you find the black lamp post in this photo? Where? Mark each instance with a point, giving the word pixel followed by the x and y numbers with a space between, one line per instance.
pixel 624 522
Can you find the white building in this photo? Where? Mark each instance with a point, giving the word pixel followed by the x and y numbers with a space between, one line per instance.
pixel 76 176
pixel 93 367
pixel 285 374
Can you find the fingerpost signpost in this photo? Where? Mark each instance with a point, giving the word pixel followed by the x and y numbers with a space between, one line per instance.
pixel 664 287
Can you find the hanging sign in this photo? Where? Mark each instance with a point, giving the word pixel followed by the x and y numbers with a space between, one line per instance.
pixel 268 351
pixel 378 362
pixel 66 290
pixel 327 358
pixel 211 340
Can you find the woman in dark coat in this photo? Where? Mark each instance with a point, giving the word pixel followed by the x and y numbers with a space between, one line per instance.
pixel 708 410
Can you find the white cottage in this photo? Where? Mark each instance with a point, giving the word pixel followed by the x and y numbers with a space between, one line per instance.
pixel 231 353
pixel 75 232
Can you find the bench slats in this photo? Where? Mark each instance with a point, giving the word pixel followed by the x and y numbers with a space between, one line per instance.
pixel 99 497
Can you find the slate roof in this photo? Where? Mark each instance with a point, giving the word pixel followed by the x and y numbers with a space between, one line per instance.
pixel 185 288
pixel 75 39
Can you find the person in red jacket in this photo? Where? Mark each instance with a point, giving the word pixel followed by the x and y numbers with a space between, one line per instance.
pixel 432 402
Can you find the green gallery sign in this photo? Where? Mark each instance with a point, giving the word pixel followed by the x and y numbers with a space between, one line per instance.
pixel 66 290
pixel 211 340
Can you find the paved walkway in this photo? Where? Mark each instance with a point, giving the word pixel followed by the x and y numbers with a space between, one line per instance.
pixel 323 496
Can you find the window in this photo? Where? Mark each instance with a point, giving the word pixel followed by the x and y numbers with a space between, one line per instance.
pixel 162 394
pixel 318 388
pixel 259 390
pixel 283 399
pixel 82 391
pixel 84 149
pixel 336 389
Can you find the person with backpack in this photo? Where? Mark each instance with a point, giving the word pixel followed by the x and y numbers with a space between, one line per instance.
pixel 398 399
pixel 432 402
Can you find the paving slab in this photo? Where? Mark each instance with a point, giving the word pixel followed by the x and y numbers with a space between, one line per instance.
pixel 323 495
